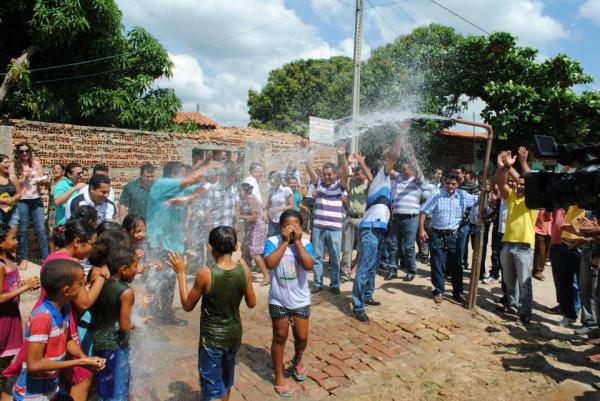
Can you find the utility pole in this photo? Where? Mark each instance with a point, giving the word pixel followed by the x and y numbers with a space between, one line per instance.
pixel 356 79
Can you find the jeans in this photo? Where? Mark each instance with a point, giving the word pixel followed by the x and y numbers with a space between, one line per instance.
pixel 403 227
pixel 587 281
pixel 216 367
pixel 569 261
pixel 445 256
pixel 371 242
pixel 485 238
pixel 113 380
pixel 463 244
pixel 517 267
pixel 332 239
pixel 350 237
pixel 34 209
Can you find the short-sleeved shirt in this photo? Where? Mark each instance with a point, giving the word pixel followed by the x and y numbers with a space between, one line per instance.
pixel 407 197
pixel 255 187
pixel 278 198
pixel 165 222
pixel 297 200
pixel 135 198
pixel 573 213
pixel 543 224
pixel 60 188
pixel 329 209
pixel 223 202
pixel 358 192
pixel 30 188
pixel 107 210
pixel 289 280
pixel 447 211
pixel 520 221
pixel 50 326
pixel 379 200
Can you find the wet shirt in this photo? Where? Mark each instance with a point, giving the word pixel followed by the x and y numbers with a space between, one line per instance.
pixel 358 193
pixel 106 312
pixel 329 209
pixel 135 198
pixel 378 202
pixel 407 197
pixel 520 221
pixel 447 211
pixel 278 198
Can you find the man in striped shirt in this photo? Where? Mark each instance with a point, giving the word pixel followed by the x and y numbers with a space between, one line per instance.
pixel 405 221
pixel 328 219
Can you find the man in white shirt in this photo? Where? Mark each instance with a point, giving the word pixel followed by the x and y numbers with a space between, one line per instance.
pixel 257 171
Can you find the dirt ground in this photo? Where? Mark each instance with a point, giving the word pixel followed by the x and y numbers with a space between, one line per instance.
pixel 413 350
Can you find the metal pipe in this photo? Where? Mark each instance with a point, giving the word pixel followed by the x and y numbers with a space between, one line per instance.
pixel 483 201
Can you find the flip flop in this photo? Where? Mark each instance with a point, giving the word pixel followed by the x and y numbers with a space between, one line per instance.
pixel 594 358
pixel 283 391
pixel 299 373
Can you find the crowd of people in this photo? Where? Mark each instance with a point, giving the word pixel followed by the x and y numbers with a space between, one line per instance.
pixel 189 223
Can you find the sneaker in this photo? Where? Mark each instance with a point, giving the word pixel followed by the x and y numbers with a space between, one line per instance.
pixel 539 277
pixel 316 290
pixel 555 310
pixel 459 298
pixel 372 302
pixel 344 280
pixel 511 310
pixel 361 316
pixel 409 277
pixel 567 322
pixel 490 280
pixel 335 290
pixel 391 276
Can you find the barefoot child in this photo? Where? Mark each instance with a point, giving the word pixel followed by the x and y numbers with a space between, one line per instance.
pixel 47 335
pixel 290 258
pixel 221 287
pixel 11 328
pixel 111 317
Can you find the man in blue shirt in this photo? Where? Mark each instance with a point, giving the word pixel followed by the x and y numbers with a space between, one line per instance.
pixel 446 210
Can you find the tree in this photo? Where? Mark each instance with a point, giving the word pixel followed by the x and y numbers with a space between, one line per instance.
pixel 116 89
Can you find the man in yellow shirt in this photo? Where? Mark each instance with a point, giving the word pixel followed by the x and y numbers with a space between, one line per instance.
pixel 518 240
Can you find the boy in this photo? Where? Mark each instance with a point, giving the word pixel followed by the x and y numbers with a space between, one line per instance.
pixel 222 286
pixel 47 335
pixel 111 315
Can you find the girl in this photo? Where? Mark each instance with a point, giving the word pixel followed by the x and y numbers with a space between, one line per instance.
pixel 253 244
pixel 10 193
pixel 289 258
pixel 135 227
pixel 31 207
pixel 280 200
pixel 11 328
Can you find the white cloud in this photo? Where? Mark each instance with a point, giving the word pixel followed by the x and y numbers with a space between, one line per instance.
pixel 591 9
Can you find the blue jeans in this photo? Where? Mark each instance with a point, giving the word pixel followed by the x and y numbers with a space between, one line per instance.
pixel 517 269
pixel 463 244
pixel 217 370
pixel 31 209
pixel 445 256
pixel 566 263
pixel 371 242
pixel 332 239
pixel 403 228
pixel 113 380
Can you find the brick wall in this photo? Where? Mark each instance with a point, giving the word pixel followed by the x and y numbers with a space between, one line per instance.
pixel 124 151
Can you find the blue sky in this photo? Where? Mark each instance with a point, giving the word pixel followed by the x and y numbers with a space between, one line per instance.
pixel 222 48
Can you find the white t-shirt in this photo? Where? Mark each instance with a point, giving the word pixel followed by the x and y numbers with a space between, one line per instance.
pixel 255 188
pixel 289 280
pixel 279 198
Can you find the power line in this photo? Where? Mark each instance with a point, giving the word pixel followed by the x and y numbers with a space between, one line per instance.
pixel 459 16
pixel 72 77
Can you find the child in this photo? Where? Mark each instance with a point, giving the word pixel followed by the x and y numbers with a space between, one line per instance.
pixel 11 329
pixel 290 258
pixel 111 317
pixel 221 287
pixel 135 227
pixel 47 338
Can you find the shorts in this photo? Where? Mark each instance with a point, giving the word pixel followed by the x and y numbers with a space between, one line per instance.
pixel 280 312
pixel 113 380
pixel 216 367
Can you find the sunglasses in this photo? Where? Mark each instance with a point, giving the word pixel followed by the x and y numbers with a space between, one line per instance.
pixel 79 173
pixel 23 150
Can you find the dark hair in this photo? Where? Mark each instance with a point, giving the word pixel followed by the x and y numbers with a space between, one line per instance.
pixel 99 167
pixel 247 188
pixel 108 226
pixel 131 221
pixel 58 273
pixel 97 180
pixel 71 230
pixel 330 165
pixel 274 174
pixel 3 157
pixel 62 167
pixel 87 213
pixel 223 240
pixel 290 213
pixel 461 168
pixel 69 167
pixel 119 256
pixel 107 241
pixel 254 166
pixel 471 173
pixel 147 168
pixel 452 177
pixel 171 168
pixel 4 229
pixel 17 159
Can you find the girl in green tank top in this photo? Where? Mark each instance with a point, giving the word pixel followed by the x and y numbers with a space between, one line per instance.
pixel 221 287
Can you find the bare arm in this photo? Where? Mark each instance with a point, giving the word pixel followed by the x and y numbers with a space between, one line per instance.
pixel 36 363
pixel 63 198
pixel 30 283
pixel 341 152
pixel 311 171
pixel 127 299
pixel 523 155
pixel 305 259
pixel 197 175
pixel 249 296
pixel 189 299
pixel 505 162
pixel 422 233
pixel 86 298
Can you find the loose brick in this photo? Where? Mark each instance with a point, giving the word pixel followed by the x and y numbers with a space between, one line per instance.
pixel 341 355
pixel 317 374
pixel 329 384
pixel 332 370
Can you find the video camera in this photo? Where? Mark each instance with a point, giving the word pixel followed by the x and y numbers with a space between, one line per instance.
pixel 550 190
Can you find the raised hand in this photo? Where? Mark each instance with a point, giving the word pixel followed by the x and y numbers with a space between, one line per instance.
pixel 523 154
pixel 508 159
pixel 177 262
pixel 341 150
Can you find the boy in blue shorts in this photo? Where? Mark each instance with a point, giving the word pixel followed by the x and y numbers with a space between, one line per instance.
pixel 221 286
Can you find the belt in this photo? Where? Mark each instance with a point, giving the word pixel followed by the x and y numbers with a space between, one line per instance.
pixel 444 233
pixel 355 216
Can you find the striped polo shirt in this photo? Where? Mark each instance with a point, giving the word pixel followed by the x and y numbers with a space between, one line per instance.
pixel 407 197
pixel 329 210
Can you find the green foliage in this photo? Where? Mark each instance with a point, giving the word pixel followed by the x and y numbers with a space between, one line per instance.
pixel 116 91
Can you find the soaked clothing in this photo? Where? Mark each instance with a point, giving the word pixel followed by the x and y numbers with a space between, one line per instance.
pixel 278 312
pixel 106 312
pixel 220 322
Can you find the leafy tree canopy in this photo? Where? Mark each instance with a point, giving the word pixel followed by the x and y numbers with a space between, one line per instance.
pixel 115 90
